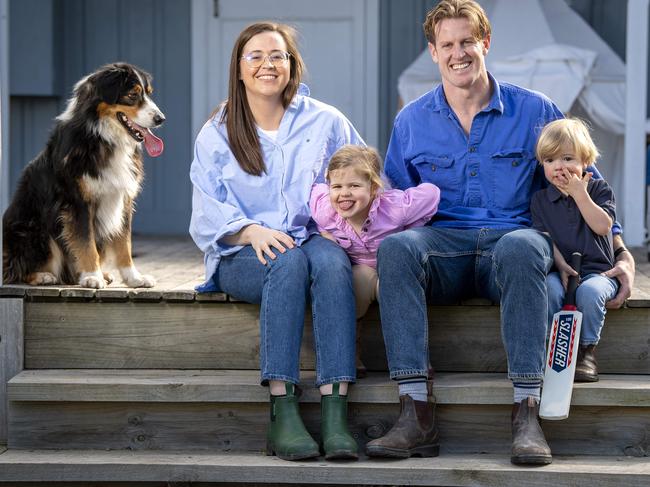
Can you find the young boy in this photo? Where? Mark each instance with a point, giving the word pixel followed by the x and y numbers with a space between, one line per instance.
pixel 578 213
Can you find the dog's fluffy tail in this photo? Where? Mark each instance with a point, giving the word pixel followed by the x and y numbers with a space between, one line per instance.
pixel 22 254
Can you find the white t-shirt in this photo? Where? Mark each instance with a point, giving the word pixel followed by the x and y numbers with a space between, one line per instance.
pixel 271 134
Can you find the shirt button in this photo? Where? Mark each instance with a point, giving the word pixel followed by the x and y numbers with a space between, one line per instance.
pixel 473 173
pixel 472 149
pixel 515 163
pixel 433 167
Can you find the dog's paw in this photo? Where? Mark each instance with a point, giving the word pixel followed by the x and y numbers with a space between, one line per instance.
pixel 92 279
pixel 108 277
pixel 43 279
pixel 133 278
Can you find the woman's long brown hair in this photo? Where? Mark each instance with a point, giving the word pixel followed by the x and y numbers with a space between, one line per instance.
pixel 237 115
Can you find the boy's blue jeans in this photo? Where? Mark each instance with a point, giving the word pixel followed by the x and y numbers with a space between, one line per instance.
pixel 592 294
pixel 441 266
pixel 318 269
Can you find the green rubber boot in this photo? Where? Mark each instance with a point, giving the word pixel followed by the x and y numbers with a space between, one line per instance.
pixel 336 439
pixel 287 437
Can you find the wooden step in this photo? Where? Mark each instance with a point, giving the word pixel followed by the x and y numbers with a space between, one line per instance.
pixel 228 411
pixel 243 386
pixel 225 335
pixel 449 469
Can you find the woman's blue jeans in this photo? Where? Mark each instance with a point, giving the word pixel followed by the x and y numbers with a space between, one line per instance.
pixel 592 294
pixel 443 266
pixel 319 270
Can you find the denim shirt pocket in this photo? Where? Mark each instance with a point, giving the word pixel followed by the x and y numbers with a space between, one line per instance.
pixel 442 171
pixel 511 178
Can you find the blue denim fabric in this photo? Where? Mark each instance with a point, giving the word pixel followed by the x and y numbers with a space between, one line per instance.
pixel 444 265
pixel 592 294
pixel 318 269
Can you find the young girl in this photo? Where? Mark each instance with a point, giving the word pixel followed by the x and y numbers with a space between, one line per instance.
pixel 577 212
pixel 358 214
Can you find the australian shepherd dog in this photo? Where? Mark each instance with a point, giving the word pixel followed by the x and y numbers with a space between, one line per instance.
pixel 72 209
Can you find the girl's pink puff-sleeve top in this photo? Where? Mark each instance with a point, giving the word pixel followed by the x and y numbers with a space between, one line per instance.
pixel 391 211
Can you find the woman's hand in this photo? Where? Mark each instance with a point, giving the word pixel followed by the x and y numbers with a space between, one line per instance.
pixel 263 240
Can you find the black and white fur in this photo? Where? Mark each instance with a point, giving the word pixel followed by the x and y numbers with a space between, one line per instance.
pixel 73 206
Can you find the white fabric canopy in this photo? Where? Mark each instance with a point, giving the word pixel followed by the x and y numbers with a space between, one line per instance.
pixel 545 46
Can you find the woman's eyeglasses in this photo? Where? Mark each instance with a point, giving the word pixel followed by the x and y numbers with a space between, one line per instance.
pixel 256 58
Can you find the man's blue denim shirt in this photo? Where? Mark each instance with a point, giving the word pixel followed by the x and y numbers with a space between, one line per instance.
pixel 486 178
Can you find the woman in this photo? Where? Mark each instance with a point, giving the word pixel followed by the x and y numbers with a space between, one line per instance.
pixel 254 163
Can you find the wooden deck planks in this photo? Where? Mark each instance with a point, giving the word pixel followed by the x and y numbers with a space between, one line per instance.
pixel 459 470
pixel 177 265
pixel 236 426
pixel 197 335
pixel 243 386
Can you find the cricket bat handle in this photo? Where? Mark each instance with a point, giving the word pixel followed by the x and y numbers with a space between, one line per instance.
pixel 570 296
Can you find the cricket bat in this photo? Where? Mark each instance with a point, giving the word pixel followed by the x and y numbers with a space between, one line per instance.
pixel 564 337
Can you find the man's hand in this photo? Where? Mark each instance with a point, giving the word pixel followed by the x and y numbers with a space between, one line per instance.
pixel 624 271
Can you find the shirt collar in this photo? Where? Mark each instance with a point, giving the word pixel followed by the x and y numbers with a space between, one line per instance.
pixel 303 90
pixel 553 193
pixel 439 101
pixel 372 213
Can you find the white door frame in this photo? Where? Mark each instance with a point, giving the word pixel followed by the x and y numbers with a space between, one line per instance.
pixel 203 37
pixel 633 209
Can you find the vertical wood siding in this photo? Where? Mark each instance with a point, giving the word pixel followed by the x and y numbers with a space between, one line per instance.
pixel 153 34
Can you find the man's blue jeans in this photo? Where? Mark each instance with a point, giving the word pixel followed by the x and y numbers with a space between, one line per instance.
pixel 442 266
pixel 592 294
pixel 318 269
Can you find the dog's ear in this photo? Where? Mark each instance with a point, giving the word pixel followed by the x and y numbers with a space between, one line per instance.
pixel 83 90
pixel 107 84
pixel 146 77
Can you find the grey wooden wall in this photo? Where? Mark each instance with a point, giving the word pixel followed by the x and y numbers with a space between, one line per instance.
pixel 55 42
pixel 401 40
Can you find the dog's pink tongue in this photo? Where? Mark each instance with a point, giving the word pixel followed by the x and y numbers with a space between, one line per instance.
pixel 153 144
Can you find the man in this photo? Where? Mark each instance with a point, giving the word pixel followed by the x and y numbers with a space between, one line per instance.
pixel 474 138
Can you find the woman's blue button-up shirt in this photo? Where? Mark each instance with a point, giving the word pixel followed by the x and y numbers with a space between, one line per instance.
pixel 226 199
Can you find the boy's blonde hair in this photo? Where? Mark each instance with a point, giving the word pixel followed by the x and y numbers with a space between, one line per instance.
pixel 455 9
pixel 566 131
pixel 364 160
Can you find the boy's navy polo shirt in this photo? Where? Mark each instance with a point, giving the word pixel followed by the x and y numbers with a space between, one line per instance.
pixel 559 216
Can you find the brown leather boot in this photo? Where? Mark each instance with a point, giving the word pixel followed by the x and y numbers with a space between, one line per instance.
pixel 529 446
pixel 586 366
pixel 414 434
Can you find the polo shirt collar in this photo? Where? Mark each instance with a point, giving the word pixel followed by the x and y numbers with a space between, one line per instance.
pixel 553 193
pixel 439 101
